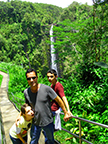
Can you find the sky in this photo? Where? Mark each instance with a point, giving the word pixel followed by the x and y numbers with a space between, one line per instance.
pixel 60 3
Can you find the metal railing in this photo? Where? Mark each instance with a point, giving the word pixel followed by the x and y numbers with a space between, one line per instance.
pixel 84 120
pixel 13 99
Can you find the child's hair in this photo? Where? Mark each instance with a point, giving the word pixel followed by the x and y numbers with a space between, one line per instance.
pixel 52 71
pixel 23 108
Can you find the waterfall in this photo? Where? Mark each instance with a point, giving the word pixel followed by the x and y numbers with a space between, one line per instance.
pixel 53 55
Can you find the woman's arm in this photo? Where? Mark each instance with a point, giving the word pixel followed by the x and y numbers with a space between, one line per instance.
pixel 18 118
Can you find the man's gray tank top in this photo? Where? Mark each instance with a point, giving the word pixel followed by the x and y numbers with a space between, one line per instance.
pixel 41 104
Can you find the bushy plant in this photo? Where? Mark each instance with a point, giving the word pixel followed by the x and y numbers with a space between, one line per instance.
pixel 17 79
pixel 88 99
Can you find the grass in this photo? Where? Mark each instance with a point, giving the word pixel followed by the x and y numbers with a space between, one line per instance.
pixel 1 77
pixel 3 70
pixel 61 136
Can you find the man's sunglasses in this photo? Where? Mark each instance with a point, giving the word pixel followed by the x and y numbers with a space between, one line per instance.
pixel 29 78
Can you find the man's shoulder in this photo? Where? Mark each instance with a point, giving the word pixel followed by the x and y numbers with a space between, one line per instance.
pixel 46 88
pixel 43 85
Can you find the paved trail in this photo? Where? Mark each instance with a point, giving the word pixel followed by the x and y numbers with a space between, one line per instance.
pixel 8 111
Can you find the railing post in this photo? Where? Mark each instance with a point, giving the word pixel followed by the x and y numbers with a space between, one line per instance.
pixel 80 132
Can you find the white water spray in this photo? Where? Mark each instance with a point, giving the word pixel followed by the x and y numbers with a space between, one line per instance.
pixel 53 55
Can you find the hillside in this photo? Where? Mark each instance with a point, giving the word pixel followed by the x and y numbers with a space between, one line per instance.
pixel 80 33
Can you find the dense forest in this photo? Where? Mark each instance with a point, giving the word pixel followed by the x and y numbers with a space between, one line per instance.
pixel 81 48
pixel 80 32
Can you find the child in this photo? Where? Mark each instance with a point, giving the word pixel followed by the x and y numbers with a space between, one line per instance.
pixel 58 88
pixel 18 132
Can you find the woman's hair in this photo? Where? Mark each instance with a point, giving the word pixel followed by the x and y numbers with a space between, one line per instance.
pixel 23 108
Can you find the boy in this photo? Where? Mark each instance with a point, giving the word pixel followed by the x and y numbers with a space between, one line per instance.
pixel 18 132
pixel 58 88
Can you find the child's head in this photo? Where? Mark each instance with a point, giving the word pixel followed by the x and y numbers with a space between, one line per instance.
pixel 27 111
pixel 52 76
pixel 52 71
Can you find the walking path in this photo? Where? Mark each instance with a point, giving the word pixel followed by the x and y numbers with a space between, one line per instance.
pixel 8 111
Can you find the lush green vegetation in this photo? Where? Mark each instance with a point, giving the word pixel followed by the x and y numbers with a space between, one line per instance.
pixel 1 77
pixel 23 32
pixel 86 99
pixel 81 34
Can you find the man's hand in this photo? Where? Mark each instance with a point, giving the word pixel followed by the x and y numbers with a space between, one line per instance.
pixel 70 114
pixel 67 116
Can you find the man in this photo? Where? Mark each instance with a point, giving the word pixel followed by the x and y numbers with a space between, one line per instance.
pixel 38 96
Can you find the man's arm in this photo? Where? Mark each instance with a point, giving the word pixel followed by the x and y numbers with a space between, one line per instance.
pixel 61 104
pixel 60 92
pixel 66 104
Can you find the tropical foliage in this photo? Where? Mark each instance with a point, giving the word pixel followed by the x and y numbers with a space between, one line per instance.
pixel 81 47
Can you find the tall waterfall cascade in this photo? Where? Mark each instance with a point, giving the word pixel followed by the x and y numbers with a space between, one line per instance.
pixel 53 55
